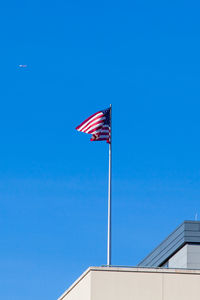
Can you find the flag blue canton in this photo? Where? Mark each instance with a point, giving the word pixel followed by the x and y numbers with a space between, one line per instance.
pixel 106 113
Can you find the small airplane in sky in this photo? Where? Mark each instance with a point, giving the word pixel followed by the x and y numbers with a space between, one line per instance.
pixel 23 66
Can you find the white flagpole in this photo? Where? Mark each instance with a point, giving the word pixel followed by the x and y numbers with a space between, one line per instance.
pixel 109 193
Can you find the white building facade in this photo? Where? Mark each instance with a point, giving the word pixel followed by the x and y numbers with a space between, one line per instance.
pixel 110 283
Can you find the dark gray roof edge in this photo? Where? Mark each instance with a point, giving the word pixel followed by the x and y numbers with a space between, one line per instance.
pixel 190 221
pixel 165 240
pixel 194 222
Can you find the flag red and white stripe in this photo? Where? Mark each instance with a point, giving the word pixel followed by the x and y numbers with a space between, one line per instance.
pixel 98 125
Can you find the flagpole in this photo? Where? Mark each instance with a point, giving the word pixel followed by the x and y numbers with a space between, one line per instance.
pixel 109 193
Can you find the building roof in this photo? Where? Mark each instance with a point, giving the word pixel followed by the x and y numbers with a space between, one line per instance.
pixel 187 233
pixel 127 270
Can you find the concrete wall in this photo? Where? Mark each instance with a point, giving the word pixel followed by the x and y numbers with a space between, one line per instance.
pixel 141 285
pixel 193 257
pixel 108 285
pixel 187 257
pixel 179 260
pixel 136 284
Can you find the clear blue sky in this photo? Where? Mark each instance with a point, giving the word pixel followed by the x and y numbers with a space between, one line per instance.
pixel 141 56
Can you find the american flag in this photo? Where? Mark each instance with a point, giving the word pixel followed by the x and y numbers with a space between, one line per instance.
pixel 99 125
